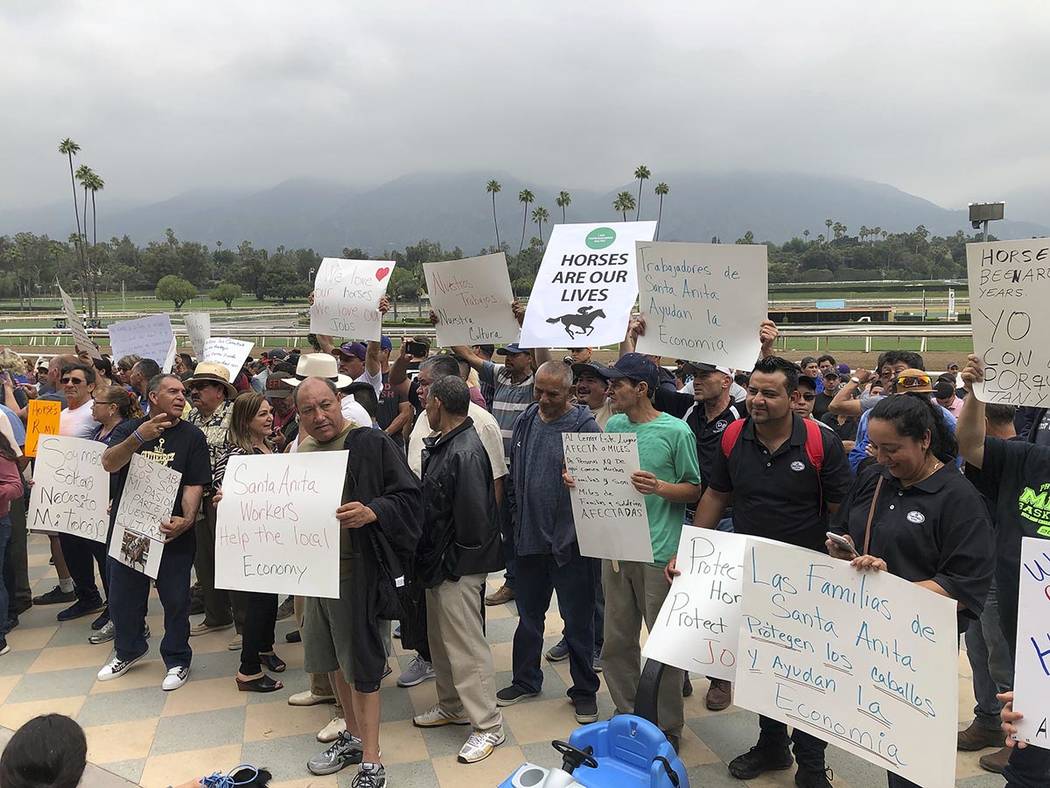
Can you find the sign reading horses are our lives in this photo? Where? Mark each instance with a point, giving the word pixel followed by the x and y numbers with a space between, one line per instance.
pixel 586 286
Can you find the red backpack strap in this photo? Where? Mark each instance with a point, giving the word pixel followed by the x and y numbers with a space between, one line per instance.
pixel 730 436
pixel 814 444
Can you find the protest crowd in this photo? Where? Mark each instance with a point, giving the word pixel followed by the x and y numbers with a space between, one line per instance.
pixel 456 471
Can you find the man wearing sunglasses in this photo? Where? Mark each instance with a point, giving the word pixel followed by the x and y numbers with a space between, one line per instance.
pixel 78 384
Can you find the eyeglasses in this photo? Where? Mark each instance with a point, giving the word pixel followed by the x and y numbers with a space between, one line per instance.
pixel 809 397
pixel 73 381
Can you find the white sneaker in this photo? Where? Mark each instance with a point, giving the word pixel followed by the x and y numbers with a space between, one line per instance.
pixel 176 678
pixel 435 717
pixel 117 667
pixel 330 732
pixel 480 745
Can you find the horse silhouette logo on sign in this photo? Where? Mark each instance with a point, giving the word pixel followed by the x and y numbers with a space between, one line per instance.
pixel 582 320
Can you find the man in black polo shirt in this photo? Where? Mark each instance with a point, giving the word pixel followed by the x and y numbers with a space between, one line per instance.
pixel 777 493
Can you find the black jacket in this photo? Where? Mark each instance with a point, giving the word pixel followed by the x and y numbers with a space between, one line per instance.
pixel 461 531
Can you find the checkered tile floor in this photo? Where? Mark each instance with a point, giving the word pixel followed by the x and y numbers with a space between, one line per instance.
pixel 156 739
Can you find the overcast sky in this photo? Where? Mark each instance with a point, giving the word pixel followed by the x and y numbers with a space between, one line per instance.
pixel 947 100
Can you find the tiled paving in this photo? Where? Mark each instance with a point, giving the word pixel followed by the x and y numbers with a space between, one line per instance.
pixel 157 739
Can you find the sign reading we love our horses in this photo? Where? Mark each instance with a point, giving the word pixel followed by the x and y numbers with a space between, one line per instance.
pixel 586 286
pixel 346 298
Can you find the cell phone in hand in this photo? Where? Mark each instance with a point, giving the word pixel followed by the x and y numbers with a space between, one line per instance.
pixel 844 543
pixel 416 349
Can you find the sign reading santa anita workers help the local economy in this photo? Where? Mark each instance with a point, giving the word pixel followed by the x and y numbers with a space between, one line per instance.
pixel 586 286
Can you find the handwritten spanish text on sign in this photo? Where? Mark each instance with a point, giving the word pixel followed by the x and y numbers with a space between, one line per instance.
pixel 472 299
pixel 854 658
pixel 586 286
pixel 699 622
pixel 43 419
pixel 148 498
pixel 1032 664
pixel 80 335
pixel 1009 290
pixel 148 337
pixel 276 530
pixel 346 298
pixel 609 512
pixel 702 302
pixel 70 492
pixel 198 328
pixel 231 353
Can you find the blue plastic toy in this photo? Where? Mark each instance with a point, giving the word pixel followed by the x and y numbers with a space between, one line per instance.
pixel 628 751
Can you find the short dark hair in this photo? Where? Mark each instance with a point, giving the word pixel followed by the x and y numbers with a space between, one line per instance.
pixel 453 394
pixel 909 357
pixel 103 365
pixel 806 361
pixel 773 364
pixel 806 382
pixel 148 368
pixel 89 371
pixel 156 380
pixel 826 357
pixel 999 414
pixel 49 751
pixel 913 415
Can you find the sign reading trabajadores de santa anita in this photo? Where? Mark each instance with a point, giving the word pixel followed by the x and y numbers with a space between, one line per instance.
pixel 586 286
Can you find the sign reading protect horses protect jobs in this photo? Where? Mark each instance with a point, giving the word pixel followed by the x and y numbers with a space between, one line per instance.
pixel 586 286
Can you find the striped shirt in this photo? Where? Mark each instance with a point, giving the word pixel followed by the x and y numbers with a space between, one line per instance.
pixel 508 401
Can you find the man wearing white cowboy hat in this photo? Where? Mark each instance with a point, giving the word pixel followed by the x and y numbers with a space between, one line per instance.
pixel 212 398
pixel 324 365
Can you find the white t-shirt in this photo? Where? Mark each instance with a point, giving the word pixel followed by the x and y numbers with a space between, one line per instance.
pixel 485 426
pixel 375 380
pixel 77 422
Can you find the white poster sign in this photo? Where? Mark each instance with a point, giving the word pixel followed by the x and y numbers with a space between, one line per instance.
pixel 1032 664
pixel 231 353
pixel 276 530
pixel 198 328
pixel 1009 288
pixel 863 660
pixel 586 286
pixel 148 498
pixel 70 491
pixel 608 511
pixel 346 298
pixel 148 337
pixel 702 302
pixel 472 299
pixel 699 622
pixel 80 335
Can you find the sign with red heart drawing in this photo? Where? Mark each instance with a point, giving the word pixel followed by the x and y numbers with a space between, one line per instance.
pixel 346 298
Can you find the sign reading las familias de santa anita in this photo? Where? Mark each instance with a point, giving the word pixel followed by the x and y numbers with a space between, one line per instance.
pixel 586 286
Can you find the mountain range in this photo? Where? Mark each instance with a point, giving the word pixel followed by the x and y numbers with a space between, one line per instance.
pixel 454 209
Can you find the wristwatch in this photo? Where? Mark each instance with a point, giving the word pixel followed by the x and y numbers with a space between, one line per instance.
pixel 855 379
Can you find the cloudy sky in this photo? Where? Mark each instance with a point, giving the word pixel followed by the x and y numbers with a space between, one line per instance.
pixel 947 100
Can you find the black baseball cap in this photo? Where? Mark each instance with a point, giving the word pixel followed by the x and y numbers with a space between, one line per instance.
pixel 509 349
pixel 636 367
pixel 591 367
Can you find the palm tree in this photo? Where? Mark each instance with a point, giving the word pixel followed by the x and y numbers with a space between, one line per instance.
pixel 623 203
pixel 641 172
pixel 661 191
pixel 540 215
pixel 805 234
pixel 828 223
pixel 525 197
pixel 70 149
pixel 562 201
pixel 493 188
pixel 95 184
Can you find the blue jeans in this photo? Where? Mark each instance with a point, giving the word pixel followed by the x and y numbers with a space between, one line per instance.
pixel 81 557
pixel 5 538
pixel 990 662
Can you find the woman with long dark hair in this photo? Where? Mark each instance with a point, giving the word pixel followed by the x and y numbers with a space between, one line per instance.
pixel 10 489
pixel 251 422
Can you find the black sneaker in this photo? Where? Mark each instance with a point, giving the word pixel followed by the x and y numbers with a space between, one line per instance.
pixel 293 637
pixel 814 778
pixel 56 596
pixel 586 710
pixel 508 696
pixel 81 608
pixel 687 687
pixel 102 620
pixel 760 759
pixel 10 624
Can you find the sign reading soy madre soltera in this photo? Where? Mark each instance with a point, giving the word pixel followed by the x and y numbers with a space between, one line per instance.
pixel 1009 291
pixel 862 660
pixel 276 530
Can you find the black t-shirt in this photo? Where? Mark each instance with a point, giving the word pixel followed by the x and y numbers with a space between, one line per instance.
pixel 820 404
pixel 181 448
pixel 20 398
pixel 937 530
pixel 1042 433
pixel 780 495
pixel 1015 477
pixel 709 433
pixel 847 431
pixel 389 404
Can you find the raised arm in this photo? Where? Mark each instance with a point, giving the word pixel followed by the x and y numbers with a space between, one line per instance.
pixel 970 429
pixel 635 329
pixel 844 403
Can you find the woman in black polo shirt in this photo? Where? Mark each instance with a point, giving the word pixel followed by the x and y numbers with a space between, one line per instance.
pixel 928 523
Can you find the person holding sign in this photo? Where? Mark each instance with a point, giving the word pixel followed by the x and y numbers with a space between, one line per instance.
pixel 166 439
pixel 1013 475
pixel 634 592
pixel 913 513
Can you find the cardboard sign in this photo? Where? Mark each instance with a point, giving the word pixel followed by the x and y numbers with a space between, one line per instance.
pixel 608 511
pixel 198 328
pixel 702 302
pixel 586 286
pixel 472 299
pixel 231 353
pixel 346 298
pixel 1009 288
pixel 276 530
pixel 863 660
pixel 148 498
pixel 43 419
pixel 1032 663
pixel 148 337
pixel 70 492
pixel 80 335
